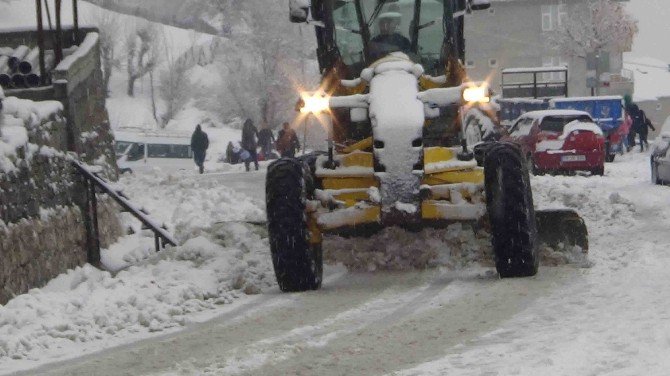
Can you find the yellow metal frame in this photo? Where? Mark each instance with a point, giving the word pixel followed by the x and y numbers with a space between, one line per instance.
pixel 364 144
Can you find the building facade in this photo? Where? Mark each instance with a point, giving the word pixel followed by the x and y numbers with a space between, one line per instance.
pixel 516 34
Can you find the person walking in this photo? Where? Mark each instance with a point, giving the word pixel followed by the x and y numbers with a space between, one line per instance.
pixel 287 141
pixel 266 139
pixel 249 136
pixel 639 122
pixel 199 145
pixel 644 132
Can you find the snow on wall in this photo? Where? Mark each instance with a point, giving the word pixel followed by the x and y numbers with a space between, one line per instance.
pixel 84 49
pixel 17 118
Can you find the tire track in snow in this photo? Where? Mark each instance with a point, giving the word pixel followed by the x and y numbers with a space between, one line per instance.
pixel 281 348
pixel 424 328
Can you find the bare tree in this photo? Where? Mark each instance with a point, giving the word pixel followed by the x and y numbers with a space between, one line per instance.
pixel 173 88
pixel 597 25
pixel 142 46
pixel 261 77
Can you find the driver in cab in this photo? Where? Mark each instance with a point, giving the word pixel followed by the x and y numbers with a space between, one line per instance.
pixel 388 39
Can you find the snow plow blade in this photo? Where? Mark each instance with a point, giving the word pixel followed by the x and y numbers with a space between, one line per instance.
pixel 561 228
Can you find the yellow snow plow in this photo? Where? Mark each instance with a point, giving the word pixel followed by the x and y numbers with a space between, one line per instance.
pixel 395 89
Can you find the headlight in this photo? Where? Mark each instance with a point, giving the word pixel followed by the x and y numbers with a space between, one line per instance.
pixel 314 103
pixel 476 94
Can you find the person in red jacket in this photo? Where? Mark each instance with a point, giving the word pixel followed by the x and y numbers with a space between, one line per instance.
pixel 287 141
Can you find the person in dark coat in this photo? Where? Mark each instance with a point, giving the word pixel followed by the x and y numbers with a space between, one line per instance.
pixel 266 139
pixel 644 132
pixel 638 122
pixel 249 135
pixel 287 141
pixel 199 145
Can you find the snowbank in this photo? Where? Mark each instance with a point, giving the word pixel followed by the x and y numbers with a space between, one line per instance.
pixel 187 204
pixel 88 309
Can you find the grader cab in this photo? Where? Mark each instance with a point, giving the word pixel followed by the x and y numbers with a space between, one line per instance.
pixel 394 87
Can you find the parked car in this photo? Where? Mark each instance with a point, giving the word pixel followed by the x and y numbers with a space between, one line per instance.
pixel 142 151
pixel 607 111
pixel 660 156
pixel 560 141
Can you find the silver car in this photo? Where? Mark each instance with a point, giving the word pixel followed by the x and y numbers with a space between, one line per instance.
pixel 660 156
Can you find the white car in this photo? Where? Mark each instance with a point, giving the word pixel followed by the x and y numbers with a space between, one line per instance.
pixel 142 151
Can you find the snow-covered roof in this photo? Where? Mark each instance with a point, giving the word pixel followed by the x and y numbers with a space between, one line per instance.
pixel 544 113
pixel 600 98
pixel 652 77
pixel 151 137
pixel 535 69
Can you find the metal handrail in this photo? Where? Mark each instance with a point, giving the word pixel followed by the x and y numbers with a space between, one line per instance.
pixel 161 236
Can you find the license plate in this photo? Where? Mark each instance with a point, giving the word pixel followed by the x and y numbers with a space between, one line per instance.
pixel 573 158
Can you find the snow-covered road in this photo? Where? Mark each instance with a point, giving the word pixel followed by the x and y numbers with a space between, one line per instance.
pixel 609 319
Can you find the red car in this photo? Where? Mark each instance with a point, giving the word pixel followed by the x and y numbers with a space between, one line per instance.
pixel 560 141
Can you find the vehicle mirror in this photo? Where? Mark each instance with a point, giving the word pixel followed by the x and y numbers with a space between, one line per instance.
pixel 299 10
pixel 479 4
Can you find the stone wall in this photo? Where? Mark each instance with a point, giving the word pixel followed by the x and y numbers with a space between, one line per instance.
pixel 37 249
pixel 42 199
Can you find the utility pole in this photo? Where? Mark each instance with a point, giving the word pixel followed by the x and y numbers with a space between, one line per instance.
pixel 58 49
pixel 75 16
pixel 40 40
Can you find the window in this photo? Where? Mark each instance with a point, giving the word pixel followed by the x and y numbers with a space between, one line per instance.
pixel 168 151
pixel 557 123
pixel 493 63
pixel 562 11
pixel 547 22
pixel 554 61
pixel 158 151
pixel 121 147
pixel 469 63
pixel 135 153
pixel 347 34
pixel 554 16
pixel 523 127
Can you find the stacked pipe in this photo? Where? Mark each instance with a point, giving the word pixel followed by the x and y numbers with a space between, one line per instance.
pixel 19 67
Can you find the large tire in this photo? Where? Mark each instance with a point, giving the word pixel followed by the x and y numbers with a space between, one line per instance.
pixel 509 201
pixel 654 171
pixel 609 156
pixel 599 171
pixel 298 264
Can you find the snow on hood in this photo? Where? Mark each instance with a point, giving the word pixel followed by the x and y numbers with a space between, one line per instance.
pixel 569 128
pixel 397 117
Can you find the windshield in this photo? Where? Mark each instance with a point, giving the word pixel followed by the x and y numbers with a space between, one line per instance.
pixel 391 27
pixel 557 123
pixel 121 147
